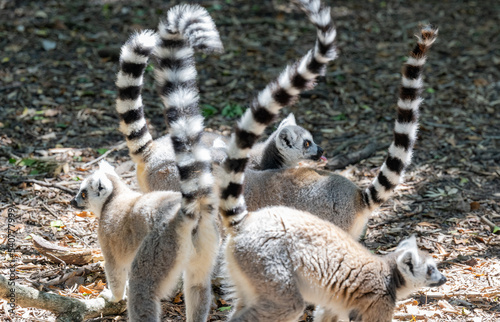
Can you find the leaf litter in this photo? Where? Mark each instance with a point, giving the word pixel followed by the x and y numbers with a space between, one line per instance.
pixel 57 117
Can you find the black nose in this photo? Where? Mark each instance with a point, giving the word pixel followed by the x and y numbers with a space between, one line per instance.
pixel 73 203
pixel 318 154
pixel 441 281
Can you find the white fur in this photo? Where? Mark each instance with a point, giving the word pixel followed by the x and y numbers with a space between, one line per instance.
pixel 328 37
pixel 248 123
pixel 412 83
pixel 284 82
pixel 392 176
pixel 175 53
pixel 231 202
pixel 147 39
pixel 181 97
pixel 302 69
pixel 127 129
pixel 407 128
pixel 123 106
pixel 187 127
pixel 206 180
pixel 410 104
pixel 134 145
pixel 382 192
pixel 199 153
pixel 176 75
pixel 415 62
pixel 265 99
pixel 219 144
pixel 126 80
pixel 400 153
pixel 127 54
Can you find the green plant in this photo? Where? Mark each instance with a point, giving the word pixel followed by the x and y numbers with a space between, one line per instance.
pixel 232 110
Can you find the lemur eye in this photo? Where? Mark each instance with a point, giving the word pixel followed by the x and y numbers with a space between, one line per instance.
pixel 84 195
pixel 430 269
pixel 307 143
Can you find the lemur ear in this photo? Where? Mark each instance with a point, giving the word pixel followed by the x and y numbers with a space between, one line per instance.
pixel 289 120
pixel 408 260
pixel 409 243
pixel 285 138
pixel 96 185
pixel 107 168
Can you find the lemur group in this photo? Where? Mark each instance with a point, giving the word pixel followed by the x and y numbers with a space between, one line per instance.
pixel 282 236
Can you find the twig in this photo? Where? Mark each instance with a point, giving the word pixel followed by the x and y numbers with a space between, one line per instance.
pixel 489 223
pixel 52 185
pixel 66 308
pixel 468 295
pixel 342 161
pixel 49 210
pixel 117 147
pixel 57 254
pixel 411 317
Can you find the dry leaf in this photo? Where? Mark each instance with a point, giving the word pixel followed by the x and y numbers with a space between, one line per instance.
pixel 426 224
pixel 85 290
pixel 178 298
pixel 85 214
pixel 475 205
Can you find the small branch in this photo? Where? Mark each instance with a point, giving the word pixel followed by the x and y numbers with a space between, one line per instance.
pixel 411 317
pixel 66 308
pixel 468 295
pixel 342 161
pixel 489 223
pixel 117 147
pixel 49 210
pixel 52 185
pixel 58 254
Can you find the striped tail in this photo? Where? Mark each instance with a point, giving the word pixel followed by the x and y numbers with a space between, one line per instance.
pixel 133 61
pixel 186 28
pixel 276 95
pixel 405 130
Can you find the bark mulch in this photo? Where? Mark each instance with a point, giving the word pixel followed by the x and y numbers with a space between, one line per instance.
pixel 58 64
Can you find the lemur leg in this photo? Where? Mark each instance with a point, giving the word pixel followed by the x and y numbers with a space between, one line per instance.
pixel 157 267
pixel 116 277
pixel 324 315
pixel 264 296
pixel 198 274
pixel 378 312
pixel 267 310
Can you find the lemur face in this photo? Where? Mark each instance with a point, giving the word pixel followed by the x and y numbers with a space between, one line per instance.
pixel 95 189
pixel 295 142
pixel 418 268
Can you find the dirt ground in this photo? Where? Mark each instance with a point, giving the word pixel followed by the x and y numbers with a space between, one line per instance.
pixel 58 64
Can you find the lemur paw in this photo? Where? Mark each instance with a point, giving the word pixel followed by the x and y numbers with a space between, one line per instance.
pixel 109 296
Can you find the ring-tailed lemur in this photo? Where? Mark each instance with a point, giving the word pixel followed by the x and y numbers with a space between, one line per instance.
pixel 279 258
pixel 184 222
pixel 155 159
pixel 333 197
pixel 173 247
pixel 125 218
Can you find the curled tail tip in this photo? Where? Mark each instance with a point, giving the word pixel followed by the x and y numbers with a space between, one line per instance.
pixel 147 39
pixel 428 35
pixel 318 13
pixel 193 23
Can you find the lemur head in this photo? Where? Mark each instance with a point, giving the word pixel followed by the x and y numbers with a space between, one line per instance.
pixel 417 267
pixel 296 143
pixel 95 189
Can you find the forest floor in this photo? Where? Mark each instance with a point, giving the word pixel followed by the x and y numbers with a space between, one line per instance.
pixel 57 93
